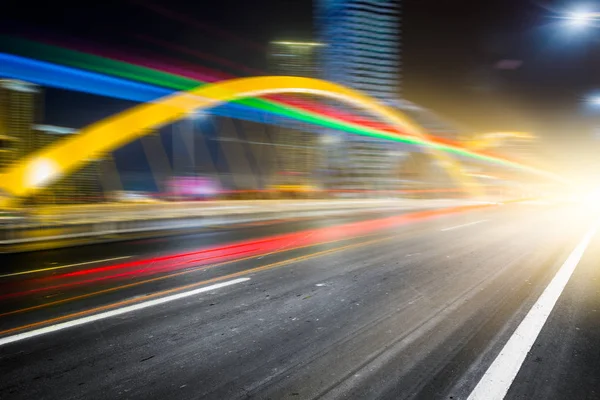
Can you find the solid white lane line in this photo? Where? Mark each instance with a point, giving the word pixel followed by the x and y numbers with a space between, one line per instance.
pixel 113 313
pixel 463 225
pixel 499 377
pixel 33 271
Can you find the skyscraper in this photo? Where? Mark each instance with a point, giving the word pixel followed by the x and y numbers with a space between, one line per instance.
pixel 362 45
pixel 17 116
pixel 295 146
pixel 362 51
pixel 294 58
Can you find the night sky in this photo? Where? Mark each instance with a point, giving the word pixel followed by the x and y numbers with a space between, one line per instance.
pixel 452 54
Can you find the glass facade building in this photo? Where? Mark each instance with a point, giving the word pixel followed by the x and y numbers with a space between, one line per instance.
pixel 17 116
pixel 296 146
pixel 362 51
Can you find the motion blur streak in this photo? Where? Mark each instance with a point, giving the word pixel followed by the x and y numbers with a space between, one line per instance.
pixel 37 271
pixel 79 80
pixel 152 72
pixel 193 285
pixel 44 167
pixel 231 253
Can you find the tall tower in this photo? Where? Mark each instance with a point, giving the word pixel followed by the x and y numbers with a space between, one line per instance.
pixel 362 51
pixel 295 145
pixel 17 116
pixel 362 40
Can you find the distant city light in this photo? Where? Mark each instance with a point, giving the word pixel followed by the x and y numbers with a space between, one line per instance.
pixel 330 139
pixel 19 86
pixel 59 130
pixel 299 43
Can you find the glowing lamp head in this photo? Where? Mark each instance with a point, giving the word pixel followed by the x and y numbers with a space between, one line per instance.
pixel 594 100
pixel 41 172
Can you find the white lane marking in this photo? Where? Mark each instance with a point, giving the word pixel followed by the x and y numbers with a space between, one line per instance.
pixel 33 271
pixel 113 313
pixel 500 375
pixel 463 225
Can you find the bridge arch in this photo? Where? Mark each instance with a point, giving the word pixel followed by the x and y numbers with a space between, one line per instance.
pixel 92 142
pixel 491 140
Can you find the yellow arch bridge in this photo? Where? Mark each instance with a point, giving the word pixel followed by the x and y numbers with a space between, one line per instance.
pixel 42 168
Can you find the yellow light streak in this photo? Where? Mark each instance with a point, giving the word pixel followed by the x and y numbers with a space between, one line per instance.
pixel 43 167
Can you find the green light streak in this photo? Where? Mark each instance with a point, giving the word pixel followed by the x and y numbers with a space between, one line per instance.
pixel 180 83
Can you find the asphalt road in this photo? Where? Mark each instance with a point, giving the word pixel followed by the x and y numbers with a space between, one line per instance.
pixel 379 306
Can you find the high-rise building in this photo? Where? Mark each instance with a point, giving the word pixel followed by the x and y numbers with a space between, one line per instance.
pixel 294 58
pixel 362 45
pixel 362 51
pixel 295 145
pixel 18 102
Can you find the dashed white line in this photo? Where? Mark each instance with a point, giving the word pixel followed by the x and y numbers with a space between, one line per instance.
pixel 463 225
pixel 500 375
pixel 34 271
pixel 113 313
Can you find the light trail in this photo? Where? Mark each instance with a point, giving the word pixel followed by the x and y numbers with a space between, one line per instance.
pixel 258 247
pixel 400 220
pixel 35 271
pixel 43 167
pixel 151 71
pixel 90 313
pixel 312 116
pixel 177 79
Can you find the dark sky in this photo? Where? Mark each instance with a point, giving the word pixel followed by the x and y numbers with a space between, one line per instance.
pixel 450 52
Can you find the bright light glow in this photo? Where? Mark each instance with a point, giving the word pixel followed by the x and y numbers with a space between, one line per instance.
pixel 19 86
pixel 59 130
pixel 299 43
pixel 594 100
pixel 330 139
pixel 41 172
pixel 580 19
pixel 585 196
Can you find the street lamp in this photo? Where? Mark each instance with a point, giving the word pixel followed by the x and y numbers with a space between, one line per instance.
pixel 594 100
pixel 580 19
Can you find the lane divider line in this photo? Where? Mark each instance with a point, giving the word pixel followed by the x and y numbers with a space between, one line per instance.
pixel 113 313
pixel 498 378
pixel 172 275
pixel 35 271
pixel 193 285
pixel 463 225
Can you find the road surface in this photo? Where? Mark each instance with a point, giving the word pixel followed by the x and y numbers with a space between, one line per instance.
pixel 420 305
